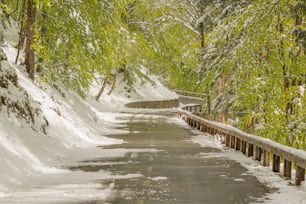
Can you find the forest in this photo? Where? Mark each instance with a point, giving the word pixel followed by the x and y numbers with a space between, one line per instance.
pixel 247 56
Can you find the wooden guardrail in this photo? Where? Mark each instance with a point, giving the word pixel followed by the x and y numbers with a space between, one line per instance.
pixel 251 145
pixel 188 93
pixel 157 104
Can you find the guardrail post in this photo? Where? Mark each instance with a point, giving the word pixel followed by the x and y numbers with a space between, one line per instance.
pixel 276 163
pixel 204 128
pixel 199 126
pixel 238 144
pixel 233 142
pixel 243 147
pixel 266 159
pixel 227 140
pixel 198 109
pixel 300 175
pixel 211 131
pixel 287 169
pixel 258 154
pixel 250 150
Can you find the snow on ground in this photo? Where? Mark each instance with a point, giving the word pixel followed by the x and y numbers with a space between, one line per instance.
pixel 282 191
pixel 285 190
pixel 143 90
pixel 206 141
pixel 31 162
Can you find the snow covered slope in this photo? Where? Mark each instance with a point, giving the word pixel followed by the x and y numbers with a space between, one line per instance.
pixel 142 90
pixel 75 126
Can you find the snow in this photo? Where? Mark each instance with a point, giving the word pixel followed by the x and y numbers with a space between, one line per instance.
pixel 206 141
pixel 143 90
pixel 285 190
pixel 31 162
pixel 158 178
pixel 302 90
pixel 11 53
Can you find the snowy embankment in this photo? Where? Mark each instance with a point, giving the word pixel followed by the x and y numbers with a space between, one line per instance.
pixel 142 90
pixel 32 158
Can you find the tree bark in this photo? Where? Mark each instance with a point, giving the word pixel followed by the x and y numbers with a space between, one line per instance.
pixel 43 36
pixel 30 32
pixel 21 31
pixel 102 89
pixel 113 84
pixel 202 28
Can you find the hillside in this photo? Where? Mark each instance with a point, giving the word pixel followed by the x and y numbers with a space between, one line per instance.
pixel 43 128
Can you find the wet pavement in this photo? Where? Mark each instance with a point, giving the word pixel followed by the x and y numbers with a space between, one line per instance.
pixel 179 172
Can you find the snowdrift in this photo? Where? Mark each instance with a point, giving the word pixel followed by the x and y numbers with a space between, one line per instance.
pixel 73 127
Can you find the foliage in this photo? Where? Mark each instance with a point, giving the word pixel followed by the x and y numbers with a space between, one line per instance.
pixel 81 39
pixel 262 56
pixel 247 56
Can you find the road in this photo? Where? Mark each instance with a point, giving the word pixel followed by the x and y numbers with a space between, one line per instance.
pixel 176 170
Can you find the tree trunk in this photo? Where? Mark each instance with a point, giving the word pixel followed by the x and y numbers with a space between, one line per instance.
pixel 30 31
pixel 43 36
pixel 102 89
pixel 202 29
pixel 285 70
pixel 21 31
pixel 208 99
pixel 113 84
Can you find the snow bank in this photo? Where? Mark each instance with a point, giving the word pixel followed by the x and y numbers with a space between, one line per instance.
pixel 75 128
pixel 142 90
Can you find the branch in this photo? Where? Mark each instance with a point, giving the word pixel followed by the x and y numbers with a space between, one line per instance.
pixel 9 14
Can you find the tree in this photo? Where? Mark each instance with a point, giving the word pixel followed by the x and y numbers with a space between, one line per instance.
pixel 82 40
pixel 263 61
pixel 30 32
pixel 247 56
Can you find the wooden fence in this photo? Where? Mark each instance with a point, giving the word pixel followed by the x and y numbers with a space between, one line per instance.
pixel 157 104
pixel 261 149
pixel 192 94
